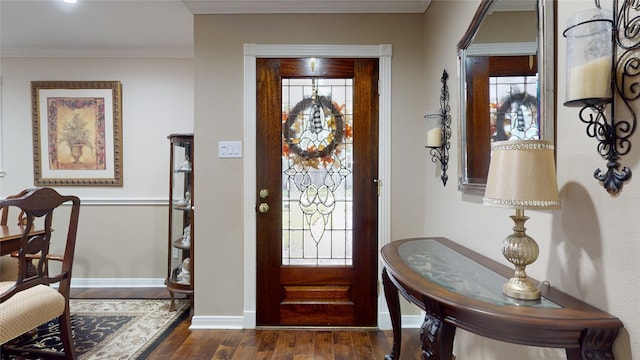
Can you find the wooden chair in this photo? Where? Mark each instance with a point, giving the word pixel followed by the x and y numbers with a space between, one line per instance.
pixel 30 301
pixel 5 211
pixel 4 220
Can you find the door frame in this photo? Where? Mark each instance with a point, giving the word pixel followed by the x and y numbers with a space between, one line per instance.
pixel 253 51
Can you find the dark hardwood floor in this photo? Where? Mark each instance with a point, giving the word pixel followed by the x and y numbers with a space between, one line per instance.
pixel 276 344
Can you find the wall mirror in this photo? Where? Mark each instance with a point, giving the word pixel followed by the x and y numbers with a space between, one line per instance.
pixel 507 73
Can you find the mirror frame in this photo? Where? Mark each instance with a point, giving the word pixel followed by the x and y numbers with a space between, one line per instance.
pixel 546 51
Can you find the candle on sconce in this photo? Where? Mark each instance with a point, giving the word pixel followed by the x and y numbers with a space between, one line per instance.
pixel 589 56
pixel 434 131
pixel 591 80
pixel 434 137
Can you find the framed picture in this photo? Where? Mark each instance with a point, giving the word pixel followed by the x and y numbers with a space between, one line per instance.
pixel 77 133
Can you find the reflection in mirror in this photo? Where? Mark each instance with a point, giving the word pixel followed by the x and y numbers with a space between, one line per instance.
pixel 506 88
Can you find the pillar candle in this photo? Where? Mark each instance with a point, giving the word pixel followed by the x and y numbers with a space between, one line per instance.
pixel 591 80
pixel 434 137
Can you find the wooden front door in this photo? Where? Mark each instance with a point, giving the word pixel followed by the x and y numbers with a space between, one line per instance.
pixel 317 194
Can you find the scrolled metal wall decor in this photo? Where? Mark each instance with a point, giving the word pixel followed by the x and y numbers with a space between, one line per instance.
pixel 611 130
pixel 441 153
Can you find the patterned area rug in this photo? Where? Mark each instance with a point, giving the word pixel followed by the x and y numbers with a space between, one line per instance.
pixel 112 328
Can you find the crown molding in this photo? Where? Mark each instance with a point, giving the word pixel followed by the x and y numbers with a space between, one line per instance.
pixel 95 52
pixel 305 6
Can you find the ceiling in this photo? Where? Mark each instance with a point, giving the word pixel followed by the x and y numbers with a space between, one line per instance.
pixel 144 27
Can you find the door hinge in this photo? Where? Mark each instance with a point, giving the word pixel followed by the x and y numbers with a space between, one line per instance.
pixel 378 286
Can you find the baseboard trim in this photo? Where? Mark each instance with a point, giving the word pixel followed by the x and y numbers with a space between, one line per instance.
pixel 116 282
pixel 249 319
pixel 406 321
pixel 216 322
pixel 412 321
pixel 248 322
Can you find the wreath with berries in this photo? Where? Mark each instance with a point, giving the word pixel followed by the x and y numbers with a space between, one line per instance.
pixel 336 127
pixel 519 98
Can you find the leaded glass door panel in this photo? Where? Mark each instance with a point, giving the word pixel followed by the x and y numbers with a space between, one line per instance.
pixel 317 195
pixel 317 171
pixel 502 104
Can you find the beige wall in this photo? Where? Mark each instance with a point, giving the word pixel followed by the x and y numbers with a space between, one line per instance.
pixel 588 248
pixel 508 26
pixel 585 249
pixel 219 43
pixel 126 239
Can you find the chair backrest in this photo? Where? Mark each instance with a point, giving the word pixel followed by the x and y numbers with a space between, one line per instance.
pixel 33 255
pixel 5 211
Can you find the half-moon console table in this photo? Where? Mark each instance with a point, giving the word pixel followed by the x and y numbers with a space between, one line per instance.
pixel 459 288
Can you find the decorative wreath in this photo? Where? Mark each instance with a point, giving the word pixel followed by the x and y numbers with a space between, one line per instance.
pixel 520 98
pixel 336 128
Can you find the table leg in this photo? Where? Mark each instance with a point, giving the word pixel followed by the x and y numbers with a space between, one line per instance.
pixel 436 335
pixel 393 303
pixel 595 344
pixel 172 306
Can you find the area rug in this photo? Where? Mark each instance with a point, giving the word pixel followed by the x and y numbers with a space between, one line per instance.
pixel 112 328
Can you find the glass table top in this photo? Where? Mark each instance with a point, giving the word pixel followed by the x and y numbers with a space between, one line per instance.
pixel 456 272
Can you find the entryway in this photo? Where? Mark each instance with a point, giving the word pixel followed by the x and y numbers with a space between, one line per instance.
pixel 251 53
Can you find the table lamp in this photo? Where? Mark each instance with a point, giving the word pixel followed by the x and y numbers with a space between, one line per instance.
pixel 521 176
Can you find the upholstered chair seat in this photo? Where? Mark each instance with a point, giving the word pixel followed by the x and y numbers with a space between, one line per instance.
pixel 26 309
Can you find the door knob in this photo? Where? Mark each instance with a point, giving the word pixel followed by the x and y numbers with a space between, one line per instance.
pixel 263 208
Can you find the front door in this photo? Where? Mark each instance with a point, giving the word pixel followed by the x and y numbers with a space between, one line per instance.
pixel 317 189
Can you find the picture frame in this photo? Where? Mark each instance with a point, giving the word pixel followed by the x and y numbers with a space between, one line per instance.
pixel 77 133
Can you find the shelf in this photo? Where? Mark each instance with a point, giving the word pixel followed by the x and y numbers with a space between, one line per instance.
pixel 181 214
pixel 178 287
pixel 183 208
pixel 179 245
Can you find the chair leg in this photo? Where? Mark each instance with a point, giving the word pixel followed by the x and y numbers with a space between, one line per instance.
pixel 66 334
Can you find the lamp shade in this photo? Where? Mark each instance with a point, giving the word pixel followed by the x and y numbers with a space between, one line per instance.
pixel 522 174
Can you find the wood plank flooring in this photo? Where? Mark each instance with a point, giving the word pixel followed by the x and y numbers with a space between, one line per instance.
pixel 271 344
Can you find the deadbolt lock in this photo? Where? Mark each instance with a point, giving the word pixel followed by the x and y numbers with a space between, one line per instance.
pixel 264 193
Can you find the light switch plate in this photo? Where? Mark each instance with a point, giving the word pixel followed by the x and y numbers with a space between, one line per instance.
pixel 229 149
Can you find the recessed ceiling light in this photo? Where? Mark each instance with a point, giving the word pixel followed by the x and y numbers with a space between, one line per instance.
pixel 70 1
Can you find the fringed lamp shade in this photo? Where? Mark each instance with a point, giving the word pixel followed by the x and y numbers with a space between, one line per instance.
pixel 522 175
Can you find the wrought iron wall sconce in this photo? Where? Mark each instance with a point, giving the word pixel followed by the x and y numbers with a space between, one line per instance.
pixel 602 68
pixel 439 130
